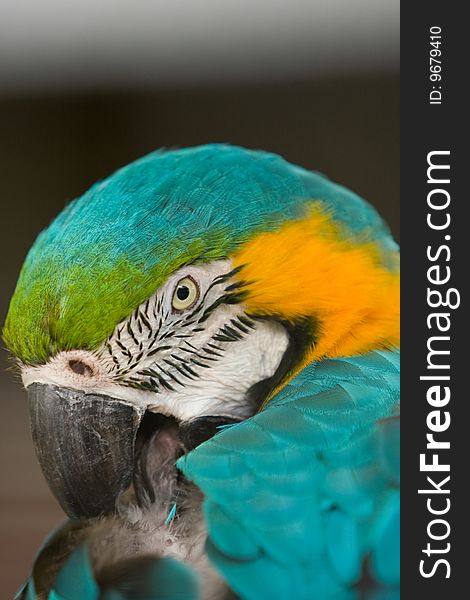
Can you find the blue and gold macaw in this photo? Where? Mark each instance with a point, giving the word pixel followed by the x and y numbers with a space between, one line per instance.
pixel 209 341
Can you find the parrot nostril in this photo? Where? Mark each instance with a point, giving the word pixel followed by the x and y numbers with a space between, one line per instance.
pixel 80 368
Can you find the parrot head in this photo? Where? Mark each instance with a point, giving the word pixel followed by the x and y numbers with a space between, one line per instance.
pixel 175 298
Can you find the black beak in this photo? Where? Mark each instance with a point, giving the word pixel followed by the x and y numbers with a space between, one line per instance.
pixel 85 446
pixel 92 448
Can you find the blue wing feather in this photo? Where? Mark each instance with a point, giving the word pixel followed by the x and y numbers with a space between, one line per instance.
pixel 303 497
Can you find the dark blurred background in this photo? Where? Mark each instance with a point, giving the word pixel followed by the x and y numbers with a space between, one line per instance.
pixel 85 89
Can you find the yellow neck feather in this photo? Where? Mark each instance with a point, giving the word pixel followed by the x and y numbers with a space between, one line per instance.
pixel 311 268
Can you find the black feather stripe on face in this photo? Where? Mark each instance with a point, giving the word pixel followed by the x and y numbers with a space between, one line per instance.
pixel 301 337
pixel 153 332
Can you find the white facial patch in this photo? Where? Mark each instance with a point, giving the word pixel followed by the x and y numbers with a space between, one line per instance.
pixel 191 362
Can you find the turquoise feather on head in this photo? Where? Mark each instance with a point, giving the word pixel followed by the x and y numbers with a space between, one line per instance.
pixel 112 248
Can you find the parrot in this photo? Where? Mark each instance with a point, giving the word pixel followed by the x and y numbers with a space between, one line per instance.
pixel 209 341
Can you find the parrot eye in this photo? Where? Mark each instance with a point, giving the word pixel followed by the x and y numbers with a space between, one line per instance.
pixel 185 295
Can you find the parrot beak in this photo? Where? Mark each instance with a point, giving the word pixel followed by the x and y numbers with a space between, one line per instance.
pixel 93 447
pixel 85 446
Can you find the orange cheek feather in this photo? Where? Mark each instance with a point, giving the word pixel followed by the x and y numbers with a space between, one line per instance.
pixel 308 268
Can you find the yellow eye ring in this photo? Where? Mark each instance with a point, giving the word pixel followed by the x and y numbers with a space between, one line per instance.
pixel 186 294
